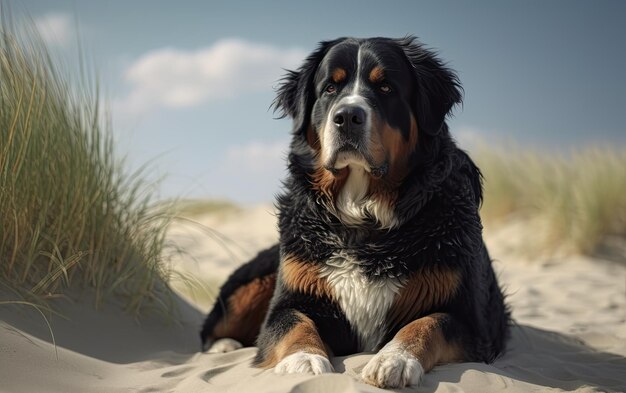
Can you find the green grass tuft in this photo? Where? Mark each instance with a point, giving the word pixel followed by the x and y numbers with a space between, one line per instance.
pixel 579 196
pixel 69 215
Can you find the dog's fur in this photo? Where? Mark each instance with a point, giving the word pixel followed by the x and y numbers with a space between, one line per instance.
pixel 380 238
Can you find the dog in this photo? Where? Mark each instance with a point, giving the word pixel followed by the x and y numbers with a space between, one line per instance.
pixel 381 243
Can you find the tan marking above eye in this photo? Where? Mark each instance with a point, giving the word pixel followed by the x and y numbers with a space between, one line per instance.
pixel 377 74
pixel 338 75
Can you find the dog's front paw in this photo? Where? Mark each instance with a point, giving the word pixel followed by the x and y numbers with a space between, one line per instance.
pixel 392 367
pixel 224 345
pixel 302 362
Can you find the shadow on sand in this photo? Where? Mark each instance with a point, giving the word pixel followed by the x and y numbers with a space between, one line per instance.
pixel 544 358
pixel 109 333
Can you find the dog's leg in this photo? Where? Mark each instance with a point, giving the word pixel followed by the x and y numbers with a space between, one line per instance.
pixel 291 344
pixel 243 314
pixel 240 309
pixel 414 350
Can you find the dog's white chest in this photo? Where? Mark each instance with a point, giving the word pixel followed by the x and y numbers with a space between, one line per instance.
pixel 365 303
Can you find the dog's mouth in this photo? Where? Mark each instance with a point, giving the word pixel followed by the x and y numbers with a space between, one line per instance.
pixel 349 156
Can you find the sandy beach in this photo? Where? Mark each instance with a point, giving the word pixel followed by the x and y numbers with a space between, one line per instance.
pixel 569 333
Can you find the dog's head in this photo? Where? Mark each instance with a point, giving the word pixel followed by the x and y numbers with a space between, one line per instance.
pixel 365 111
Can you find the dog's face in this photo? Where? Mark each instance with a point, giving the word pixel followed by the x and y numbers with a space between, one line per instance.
pixel 362 116
pixel 364 112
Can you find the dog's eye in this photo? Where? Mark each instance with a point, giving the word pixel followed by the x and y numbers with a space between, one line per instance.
pixel 385 89
pixel 330 89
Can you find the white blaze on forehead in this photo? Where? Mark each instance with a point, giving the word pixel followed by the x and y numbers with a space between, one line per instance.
pixel 357 81
pixel 354 99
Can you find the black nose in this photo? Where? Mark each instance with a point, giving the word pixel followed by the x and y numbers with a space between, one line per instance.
pixel 349 117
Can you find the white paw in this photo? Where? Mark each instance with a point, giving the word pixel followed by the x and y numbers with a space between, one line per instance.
pixel 302 362
pixel 224 345
pixel 392 367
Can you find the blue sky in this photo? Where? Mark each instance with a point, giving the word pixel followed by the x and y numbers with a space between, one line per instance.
pixel 190 82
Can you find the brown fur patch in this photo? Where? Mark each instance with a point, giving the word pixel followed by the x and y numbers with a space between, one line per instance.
pixel 397 148
pixel 387 144
pixel 327 183
pixel 338 75
pixel 312 139
pixel 245 311
pixel 377 74
pixel 424 339
pixel 304 277
pixel 302 337
pixel 424 290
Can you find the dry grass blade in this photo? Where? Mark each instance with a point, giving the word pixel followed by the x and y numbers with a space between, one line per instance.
pixel 69 214
pixel 579 196
pixel 36 307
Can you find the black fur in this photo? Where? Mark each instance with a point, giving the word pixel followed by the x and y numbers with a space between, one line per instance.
pixel 437 206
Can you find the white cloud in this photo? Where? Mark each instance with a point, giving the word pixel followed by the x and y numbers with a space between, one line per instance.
pixel 180 78
pixel 257 157
pixel 251 172
pixel 56 28
pixel 467 134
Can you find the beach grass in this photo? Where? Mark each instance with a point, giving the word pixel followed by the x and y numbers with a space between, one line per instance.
pixel 579 195
pixel 70 216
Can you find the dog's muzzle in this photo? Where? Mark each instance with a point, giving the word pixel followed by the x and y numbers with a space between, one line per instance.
pixel 350 121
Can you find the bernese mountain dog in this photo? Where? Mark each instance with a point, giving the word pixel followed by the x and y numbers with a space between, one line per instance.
pixel 381 243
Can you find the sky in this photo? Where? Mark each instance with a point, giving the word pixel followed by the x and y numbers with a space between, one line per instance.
pixel 189 84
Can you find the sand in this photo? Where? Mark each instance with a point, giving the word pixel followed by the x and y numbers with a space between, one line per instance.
pixel 570 332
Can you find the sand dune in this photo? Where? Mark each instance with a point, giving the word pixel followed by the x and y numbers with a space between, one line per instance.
pixel 570 333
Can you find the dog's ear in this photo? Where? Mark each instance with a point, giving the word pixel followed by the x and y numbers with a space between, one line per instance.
pixel 438 87
pixel 295 94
